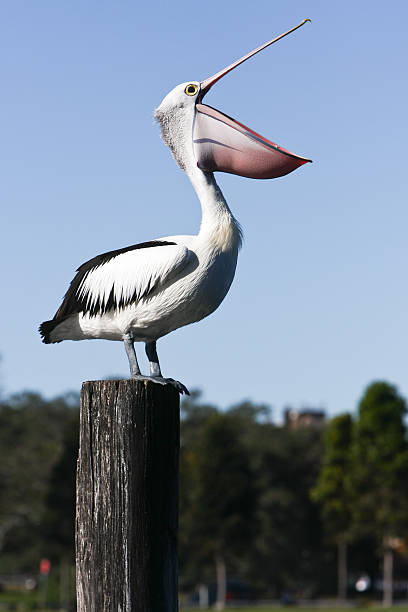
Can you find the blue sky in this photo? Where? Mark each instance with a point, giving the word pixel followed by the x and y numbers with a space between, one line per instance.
pixel 318 308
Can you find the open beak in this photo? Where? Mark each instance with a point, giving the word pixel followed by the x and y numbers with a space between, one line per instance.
pixel 225 145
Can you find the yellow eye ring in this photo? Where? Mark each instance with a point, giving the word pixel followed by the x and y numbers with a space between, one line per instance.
pixel 191 89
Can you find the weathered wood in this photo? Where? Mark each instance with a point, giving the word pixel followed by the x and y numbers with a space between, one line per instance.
pixel 127 497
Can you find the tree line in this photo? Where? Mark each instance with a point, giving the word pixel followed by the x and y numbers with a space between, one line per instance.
pixel 266 510
pixel 362 484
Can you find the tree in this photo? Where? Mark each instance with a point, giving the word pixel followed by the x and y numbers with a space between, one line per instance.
pixel 281 546
pixel 59 516
pixel 194 416
pixel 380 472
pixel 225 496
pixel 287 554
pixel 218 522
pixel 31 432
pixel 332 491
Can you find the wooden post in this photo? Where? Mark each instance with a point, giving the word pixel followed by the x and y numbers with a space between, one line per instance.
pixel 127 497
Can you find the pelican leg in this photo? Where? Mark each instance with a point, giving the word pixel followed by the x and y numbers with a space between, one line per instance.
pixel 130 352
pixel 155 372
pixel 151 353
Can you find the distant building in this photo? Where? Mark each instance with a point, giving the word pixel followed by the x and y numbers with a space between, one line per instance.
pixel 308 417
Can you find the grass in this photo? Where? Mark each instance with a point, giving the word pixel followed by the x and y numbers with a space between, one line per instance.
pixel 25 603
pixel 369 607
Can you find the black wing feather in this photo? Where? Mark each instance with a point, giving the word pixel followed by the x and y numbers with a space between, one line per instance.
pixel 72 303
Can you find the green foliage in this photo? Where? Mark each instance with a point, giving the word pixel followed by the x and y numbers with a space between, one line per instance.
pixel 245 489
pixel 380 464
pixel 224 491
pixel 31 443
pixel 217 495
pixel 245 496
pixel 288 546
pixel 332 489
pixel 59 516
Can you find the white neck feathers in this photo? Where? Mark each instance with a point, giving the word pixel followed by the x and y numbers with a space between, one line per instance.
pixel 218 225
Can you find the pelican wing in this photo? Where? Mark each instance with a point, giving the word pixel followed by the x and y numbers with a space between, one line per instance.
pixel 116 279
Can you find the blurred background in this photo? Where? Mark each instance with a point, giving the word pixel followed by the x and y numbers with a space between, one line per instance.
pixel 311 510
pixel 293 464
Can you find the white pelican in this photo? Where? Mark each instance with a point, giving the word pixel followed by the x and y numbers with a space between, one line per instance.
pixel 143 292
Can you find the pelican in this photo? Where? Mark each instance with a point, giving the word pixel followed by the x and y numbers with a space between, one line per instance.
pixel 142 292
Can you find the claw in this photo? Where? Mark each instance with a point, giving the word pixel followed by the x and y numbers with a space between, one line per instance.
pixel 179 386
pixel 164 381
pixel 170 381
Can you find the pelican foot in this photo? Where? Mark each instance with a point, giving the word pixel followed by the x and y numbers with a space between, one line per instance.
pixel 163 381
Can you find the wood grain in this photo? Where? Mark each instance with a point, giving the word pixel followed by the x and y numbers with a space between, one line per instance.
pixel 127 497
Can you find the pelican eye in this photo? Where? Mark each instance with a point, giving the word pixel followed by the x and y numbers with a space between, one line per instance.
pixel 191 89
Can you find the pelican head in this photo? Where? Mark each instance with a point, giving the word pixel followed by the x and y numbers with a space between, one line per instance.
pixel 202 136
